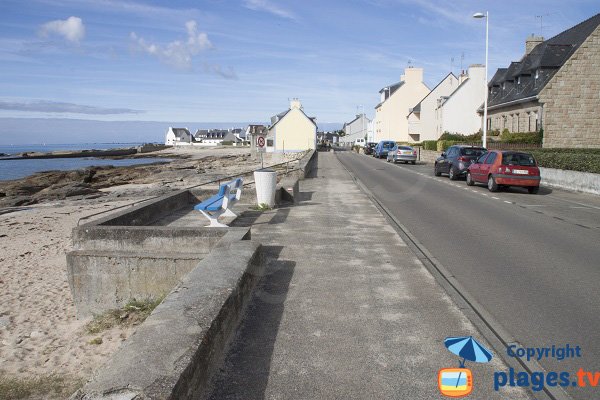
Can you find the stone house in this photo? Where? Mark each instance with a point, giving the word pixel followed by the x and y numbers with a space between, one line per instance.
pixel 554 86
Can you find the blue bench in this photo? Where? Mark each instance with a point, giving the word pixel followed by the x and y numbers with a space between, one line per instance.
pixel 221 203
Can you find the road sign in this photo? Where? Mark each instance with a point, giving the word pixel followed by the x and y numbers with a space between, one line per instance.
pixel 261 143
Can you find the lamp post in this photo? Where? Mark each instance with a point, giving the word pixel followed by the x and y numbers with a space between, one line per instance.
pixel 487 21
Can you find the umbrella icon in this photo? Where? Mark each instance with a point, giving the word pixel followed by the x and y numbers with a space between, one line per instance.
pixel 468 348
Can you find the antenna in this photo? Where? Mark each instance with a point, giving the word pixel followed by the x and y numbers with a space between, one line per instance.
pixel 541 17
pixel 452 64
pixel 409 63
pixel 462 58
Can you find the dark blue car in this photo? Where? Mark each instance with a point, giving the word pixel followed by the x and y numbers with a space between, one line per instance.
pixel 383 147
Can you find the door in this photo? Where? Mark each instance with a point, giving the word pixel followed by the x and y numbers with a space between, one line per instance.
pixel 475 168
pixel 485 167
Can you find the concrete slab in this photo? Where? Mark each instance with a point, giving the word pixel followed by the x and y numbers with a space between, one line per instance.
pixel 345 310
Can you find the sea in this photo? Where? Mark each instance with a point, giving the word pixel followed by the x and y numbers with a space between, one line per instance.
pixel 15 169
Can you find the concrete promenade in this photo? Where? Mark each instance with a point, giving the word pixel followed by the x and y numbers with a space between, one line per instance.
pixel 345 310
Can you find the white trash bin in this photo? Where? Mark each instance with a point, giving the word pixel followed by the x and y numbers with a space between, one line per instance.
pixel 265 181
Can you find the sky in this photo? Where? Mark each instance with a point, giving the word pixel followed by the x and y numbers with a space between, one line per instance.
pixel 241 60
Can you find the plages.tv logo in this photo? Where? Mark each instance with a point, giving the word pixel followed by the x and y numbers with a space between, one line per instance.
pixel 458 382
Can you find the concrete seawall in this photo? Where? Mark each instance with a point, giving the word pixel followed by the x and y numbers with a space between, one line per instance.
pixel 173 353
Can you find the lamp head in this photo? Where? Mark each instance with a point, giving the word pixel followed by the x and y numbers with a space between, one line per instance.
pixel 479 15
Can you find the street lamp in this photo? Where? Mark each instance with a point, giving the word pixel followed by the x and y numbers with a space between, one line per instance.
pixel 487 21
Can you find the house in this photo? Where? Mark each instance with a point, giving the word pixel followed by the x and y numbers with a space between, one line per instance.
pixel 421 119
pixel 457 113
pixel 554 86
pixel 355 129
pixel 178 136
pixel 328 137
pixel 292 130
pixel 396 101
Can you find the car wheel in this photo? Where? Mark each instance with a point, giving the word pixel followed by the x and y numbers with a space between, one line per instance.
pixel 452 174
pixel 436 172
pixel 492 185
pixel 470 181
pixel 533 189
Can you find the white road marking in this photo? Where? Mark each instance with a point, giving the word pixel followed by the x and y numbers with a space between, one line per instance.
pixel 534 205
pixel 580 207
pixel 495 198
pixel 509 202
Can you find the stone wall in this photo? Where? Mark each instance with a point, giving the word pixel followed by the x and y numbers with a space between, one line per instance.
pixel 525 113
pixel 572 99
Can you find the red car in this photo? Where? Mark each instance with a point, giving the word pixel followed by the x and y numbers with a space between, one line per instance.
pixel 505 168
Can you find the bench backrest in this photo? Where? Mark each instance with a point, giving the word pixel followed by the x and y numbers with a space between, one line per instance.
pixel 229 188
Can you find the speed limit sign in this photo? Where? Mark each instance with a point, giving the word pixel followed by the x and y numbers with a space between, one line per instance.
pixel 261 143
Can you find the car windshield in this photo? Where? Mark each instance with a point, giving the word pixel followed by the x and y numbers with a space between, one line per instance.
pixel 472 152
pixel 522 159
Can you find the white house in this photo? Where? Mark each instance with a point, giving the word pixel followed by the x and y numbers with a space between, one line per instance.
pixel 292 130
pixel 356 129
pixel 179 137
pixel 421 119
pixel 397 100
pixel 457 113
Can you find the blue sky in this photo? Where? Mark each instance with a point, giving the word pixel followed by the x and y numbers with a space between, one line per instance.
pixel 240 60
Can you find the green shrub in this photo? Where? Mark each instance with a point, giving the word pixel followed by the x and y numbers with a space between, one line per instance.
pixel 582 160
pixel 429 145
pixel 442 145
pixel 521 137
pixel 227 142
pixel 476 137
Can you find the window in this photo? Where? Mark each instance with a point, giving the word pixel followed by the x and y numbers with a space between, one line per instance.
pixel 481 159
pixel 491 158
pixel 522 159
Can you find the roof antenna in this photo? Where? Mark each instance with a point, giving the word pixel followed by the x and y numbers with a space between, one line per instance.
pixel 409 63
pixel 541 17
pixel 462 58
pixel 452 65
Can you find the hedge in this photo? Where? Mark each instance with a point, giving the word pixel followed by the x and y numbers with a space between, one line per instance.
pixel 583 160
pixel 429 144
pixel 521 137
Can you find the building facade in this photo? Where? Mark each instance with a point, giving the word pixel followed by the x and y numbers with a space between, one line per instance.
pixel 421 119
pixel 457 113
pixel 357 128
pixel 396 102
pixel 292 130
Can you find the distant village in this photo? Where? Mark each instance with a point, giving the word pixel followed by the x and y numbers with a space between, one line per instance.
pixel 553 88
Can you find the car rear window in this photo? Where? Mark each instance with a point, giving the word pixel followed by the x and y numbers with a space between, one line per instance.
pixel 404 148
pixel 472 152
pixel 522 159
pixel 388 145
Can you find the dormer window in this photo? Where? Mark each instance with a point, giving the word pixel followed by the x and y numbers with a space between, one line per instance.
pixel 518 80
pixel 537 73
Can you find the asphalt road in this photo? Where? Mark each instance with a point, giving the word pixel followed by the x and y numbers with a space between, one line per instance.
pixel 532 261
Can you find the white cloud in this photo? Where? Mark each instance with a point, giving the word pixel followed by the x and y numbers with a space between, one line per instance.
pixel 266 5
pixel 59 107
pixel 178 54
pixel 71 29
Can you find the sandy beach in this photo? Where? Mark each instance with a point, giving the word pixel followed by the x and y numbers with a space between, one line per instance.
pixel 41 341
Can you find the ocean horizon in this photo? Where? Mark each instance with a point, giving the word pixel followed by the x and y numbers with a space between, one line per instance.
pixel 17 169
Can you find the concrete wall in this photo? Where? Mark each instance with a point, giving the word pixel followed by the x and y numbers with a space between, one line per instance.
pixel 571 100
pixel 390 120
pixel 174 353
pixel 459 112
pixel 571 180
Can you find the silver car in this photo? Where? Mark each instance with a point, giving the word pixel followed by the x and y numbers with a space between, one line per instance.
pixel 405 154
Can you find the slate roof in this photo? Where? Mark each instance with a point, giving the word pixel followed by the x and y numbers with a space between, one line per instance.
pixel 545 60
pixel 183 134
pixel 390 90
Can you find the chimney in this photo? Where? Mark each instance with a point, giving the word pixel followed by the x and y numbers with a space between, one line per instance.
pixel 295 103
pixel 531 42
pixel 461 78
pixel 413 75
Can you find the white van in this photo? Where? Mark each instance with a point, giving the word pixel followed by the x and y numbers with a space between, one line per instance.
pixel 360 142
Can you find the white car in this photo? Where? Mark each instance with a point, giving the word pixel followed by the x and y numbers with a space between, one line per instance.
pixel 360 142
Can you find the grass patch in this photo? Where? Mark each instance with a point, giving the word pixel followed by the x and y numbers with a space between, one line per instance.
pixel 39 387
pixel 261 207
pixel 133 313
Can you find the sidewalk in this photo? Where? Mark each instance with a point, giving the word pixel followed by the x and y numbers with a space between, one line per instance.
pixel 345 309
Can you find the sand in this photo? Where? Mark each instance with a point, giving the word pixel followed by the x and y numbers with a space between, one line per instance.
pixel 39 333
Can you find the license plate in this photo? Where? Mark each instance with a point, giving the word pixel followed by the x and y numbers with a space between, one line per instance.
pixel 407 152
pixel 520 171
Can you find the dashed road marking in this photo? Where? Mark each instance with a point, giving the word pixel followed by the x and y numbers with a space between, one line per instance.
pixel 495 198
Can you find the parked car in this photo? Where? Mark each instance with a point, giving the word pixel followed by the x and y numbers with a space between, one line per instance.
pixel 369 147
pixel 402 153
pixel 360 142
pixel 456 160
pixel 505 168
pixel 382 148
